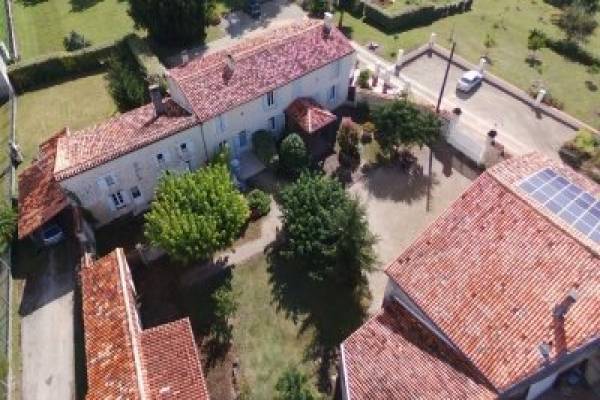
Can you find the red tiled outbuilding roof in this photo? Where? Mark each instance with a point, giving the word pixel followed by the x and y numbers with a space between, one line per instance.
pixel 123 360
pixel 261 64
pixel 490 271
pixel 309 115
pixel 392 356
pixel 117 136
pixel 40 196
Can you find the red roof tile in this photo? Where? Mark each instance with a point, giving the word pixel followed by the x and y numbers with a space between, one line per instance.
pixel 392 356
pixel 172 362
pixel 118 136
pixel 262 64
pixel 40 196
pixel 124 361
pixel 309 114
pixel 490 271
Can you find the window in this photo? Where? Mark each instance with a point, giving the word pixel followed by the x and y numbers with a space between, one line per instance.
pixel 184 151
pixel 243 138
pixel 110 180
pixel 272 123
pixel 118 200
pixel 270 99
pixel 160 158
pixel 332 93
pixel 135 192
pixel 221 123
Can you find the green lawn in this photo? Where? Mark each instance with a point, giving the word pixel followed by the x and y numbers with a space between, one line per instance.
pixel 266 340
pixel 509 22
pixel 3 24
pixel 77 104
pixel 41 25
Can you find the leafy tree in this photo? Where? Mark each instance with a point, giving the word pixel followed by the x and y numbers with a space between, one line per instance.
pixel 75 41
pixel 8 225
pixel 348 138
pixel 264 147
pixel 363 79
pixel 318 7
pixel 225 308
pixel 293 156
pixel 259 203
pixel 536 41
pixel 126 82
pixel 196 214
pixel 403 123
pixel 577 23
pixel 325 230
pixel 172 22
pixel 293 385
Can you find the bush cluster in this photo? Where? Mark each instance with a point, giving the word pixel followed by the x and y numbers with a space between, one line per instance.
pixel 75 41
pixel 413 16
pixel 293 156
pixel 259 203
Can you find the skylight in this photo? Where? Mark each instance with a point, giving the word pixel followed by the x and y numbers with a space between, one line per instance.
pixel 573 205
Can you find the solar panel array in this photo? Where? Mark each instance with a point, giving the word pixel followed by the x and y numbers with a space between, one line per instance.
pixel 573 205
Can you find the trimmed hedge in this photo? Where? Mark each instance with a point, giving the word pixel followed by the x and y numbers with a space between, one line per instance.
pixel 59 66
pixel 412 17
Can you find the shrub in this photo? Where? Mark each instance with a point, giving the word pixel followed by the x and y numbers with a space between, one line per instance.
pixel 126 82
pixel 196 214
pixel 226 306
pixel 293 385
pixel 259 203
pixel 293 156
pixel 8 225
pixel 585 142
pixel 368 132
pixel 53 68
pixel 363 79
pixel 318 7
pixel 548 99
pixel 222 156
pixel 348 137
pixel 75 41
pixel 264 147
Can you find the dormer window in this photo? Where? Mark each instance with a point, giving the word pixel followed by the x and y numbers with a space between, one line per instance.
pixel 270 99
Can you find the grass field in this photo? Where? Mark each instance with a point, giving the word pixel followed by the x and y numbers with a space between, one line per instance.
pixel 509 22
pixel 266 340
pixel 399 5
pixel 42 25
pixel 76 104
pixel 3 24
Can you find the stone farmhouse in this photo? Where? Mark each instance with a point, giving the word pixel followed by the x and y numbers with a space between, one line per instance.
pixel 111 169
pixel 498 298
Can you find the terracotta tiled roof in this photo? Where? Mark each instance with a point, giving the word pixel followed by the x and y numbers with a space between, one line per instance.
pixel 490 271
pixel 40 196
pixel 262 64
pixel 309 114
pixel 120 135
pixel 392 356
pixel 172 362
pixel 123 360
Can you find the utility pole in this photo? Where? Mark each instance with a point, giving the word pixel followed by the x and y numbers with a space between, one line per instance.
pixel 437 111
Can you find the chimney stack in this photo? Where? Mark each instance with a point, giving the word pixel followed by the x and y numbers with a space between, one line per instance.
pixel 558 314
pixel 157 99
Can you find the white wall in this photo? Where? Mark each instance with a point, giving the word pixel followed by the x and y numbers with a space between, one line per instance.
pixel 139 168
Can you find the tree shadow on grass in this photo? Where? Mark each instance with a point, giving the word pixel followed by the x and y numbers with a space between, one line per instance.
pixel 82 5
pixel 333 310
pixel 30 3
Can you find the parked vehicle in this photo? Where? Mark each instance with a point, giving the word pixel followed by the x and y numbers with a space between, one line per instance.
pixel 469 80
pixel 52 234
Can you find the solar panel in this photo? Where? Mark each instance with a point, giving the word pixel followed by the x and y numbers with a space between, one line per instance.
pixel 572 204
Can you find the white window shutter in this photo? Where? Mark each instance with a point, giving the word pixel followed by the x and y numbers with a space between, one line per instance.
pixel 115 180
pixel 126 197
pixel 111 204
pixel 102 185
pixel 264 102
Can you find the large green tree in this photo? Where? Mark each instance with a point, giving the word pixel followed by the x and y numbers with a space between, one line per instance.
pixel 325 230
pixel 403 123
pixel 126 82
pixel 577 22
pixel 173 22
pixel 196 214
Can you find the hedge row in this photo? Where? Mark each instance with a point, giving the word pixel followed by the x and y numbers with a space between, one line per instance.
pixel 59 66
pixel 412 17
pixel 141 50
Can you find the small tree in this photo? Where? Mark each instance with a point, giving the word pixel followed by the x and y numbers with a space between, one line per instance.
pixel 173 22
pixel 8 225
pixel 126 81
pixel 196 214
pixel 403 123
pixel 259 203
pixel 225 308
pixel 293 156
pixel 363 79
pixel 535 42
pixel 318 7
pixel 75 41
pixel 265 147
pixel 315 213
pixel 293 385
pixel 348 138
pixel 577 23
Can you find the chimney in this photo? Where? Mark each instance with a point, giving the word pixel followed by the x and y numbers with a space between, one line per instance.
pixel 558 314
pixel 328 22
pixel 230 63
pixel 157 99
